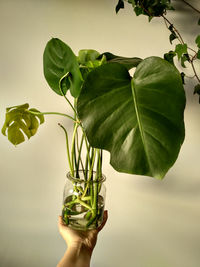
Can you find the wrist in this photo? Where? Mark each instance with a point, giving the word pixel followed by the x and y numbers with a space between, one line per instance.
pixel 80 249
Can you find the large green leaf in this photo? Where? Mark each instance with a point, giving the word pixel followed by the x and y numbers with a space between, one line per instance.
pixel 140 119
pixel 128 62
pixel 19 122
pixel 61 68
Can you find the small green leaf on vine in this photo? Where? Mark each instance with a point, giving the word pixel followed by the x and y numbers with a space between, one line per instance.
pixel 183 77
pixel 184 57
pixel 180 50
pixel 138 10
pixel 119 6
pixel 197 89
pixel 150 18
pixel 172 37
pixel 197 41
pixel 198 54
pixel 19 122
pixel 170 57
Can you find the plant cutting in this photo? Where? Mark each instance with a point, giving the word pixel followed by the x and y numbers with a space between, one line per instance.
pixel 138 118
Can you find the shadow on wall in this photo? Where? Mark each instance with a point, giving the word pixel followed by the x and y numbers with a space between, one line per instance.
pixel 188 14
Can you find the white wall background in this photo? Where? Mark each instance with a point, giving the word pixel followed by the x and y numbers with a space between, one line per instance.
pixel 151 223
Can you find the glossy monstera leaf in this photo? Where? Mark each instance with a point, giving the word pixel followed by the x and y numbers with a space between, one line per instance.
pixel 61 68
pixel 20 122
pixel 140 119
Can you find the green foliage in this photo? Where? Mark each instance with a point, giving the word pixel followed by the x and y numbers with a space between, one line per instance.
pixel 19 122
pixel 150 8
pixel 141 122
pixel 184 58
pixel 173 35
pixel 198 54
pixel 170 57
pixel 180 50
pixel 61 68
pixel 119 5
pixel 183 77
pixel 197 90
pixel 197 41
pixel 89 59
pixel 129 63
pixel 199 22
pixel 87 55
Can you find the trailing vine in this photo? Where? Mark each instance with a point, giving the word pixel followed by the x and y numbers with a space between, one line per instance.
pixel 184 53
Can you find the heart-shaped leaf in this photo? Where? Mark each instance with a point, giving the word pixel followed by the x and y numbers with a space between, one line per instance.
pixel 140 119
pixel 61 68
pixel 20 122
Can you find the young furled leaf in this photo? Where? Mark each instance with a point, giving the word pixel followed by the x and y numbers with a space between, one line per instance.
pixel 85 55
pixel 88 60
pixel 19 122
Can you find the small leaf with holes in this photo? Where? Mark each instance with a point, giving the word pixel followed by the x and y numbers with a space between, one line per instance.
pixel 19 122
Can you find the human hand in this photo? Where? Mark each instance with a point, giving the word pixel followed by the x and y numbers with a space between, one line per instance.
pixel 78 238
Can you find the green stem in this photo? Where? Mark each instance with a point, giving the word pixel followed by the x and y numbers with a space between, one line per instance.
pixel 67 146
pixel 75 139
pixel 79 148
pixel 92 164
pixel 90 176
pixel 178 34
pixel 77 200
pixel 72 148
pixel 87 160
pixel 60 87
pixel 84 204
pixel 52 113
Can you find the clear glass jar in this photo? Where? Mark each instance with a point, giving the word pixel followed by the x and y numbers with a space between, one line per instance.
pixel 84 200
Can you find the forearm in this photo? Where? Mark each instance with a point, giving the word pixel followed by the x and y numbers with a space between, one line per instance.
pixel 76 257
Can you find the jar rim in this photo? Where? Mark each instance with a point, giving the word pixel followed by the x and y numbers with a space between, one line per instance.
pixel 78 180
